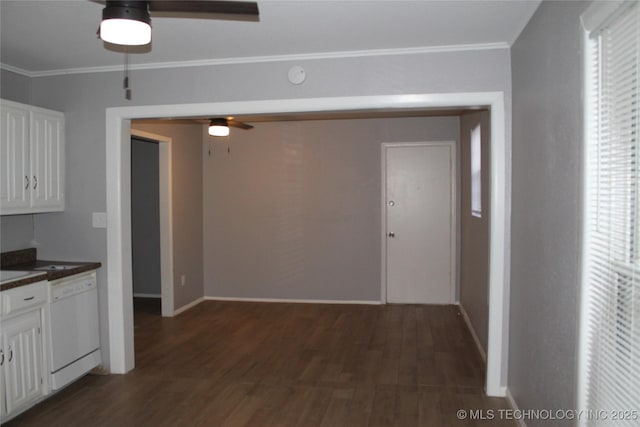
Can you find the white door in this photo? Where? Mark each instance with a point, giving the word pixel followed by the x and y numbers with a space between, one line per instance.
pixel 420 230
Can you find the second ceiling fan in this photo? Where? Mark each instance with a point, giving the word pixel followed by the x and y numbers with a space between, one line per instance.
pixel 220 126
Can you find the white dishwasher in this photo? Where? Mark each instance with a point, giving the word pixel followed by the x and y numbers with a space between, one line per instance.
pixel 74 330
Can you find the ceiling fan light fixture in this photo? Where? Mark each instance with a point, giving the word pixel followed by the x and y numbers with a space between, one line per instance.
pixel 126 23
pixel 218 127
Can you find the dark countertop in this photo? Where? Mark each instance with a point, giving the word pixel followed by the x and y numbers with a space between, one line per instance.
pixel 25 260
pixel 22 282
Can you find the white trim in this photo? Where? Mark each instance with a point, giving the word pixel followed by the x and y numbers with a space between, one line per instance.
pixel 582 347
pixel 383 224
pixel 295 301
pixel 118 238
pixel 119 280
pixel 166 227
pixel 454 216
pixel 155 296
pixel 472 330
pixel 514 406
pixel 599 12
pixel 166 219
pixel 17 70
pixel 499 251
pixel 266 58
pixel 188 306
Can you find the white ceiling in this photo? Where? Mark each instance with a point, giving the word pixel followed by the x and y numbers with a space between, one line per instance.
pixel 53 36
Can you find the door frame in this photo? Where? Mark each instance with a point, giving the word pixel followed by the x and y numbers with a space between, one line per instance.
pixel 118 181
pixel 454 213
pixel 166 219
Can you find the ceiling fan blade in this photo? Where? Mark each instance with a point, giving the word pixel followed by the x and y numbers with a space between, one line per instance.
pixel 240 125
pixel 203 6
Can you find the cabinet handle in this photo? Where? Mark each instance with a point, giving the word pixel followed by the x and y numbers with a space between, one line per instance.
pixel 29 299
pixel 26 181
pixel 10 354
pixel 35 182
pixel 1 357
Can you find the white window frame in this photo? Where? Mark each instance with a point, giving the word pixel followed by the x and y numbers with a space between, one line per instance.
pixel 598 16
pixel 475 166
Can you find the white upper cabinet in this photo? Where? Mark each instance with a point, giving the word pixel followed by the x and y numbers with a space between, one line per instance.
pixel 32 159
pixel 47 160
pixel 14 155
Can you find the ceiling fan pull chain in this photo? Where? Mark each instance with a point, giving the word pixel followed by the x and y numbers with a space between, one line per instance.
pixel 127 90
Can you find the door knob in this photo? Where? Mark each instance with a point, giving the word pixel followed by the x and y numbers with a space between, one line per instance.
pixel 392 234
pixel 392 203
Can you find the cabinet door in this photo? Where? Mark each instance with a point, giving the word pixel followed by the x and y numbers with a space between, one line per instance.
pixel 23 360
pixel 47 160
pixel 3 409
pixel 15 178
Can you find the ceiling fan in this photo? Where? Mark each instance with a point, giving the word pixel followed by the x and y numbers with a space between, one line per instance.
pixel 220 126
pixel 128 22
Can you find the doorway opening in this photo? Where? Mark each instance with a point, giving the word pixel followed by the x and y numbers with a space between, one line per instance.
pixel 152 260
pixel 145 229
pixel 118 122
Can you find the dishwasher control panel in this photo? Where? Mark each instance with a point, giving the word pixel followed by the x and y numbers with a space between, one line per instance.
pixel 67 287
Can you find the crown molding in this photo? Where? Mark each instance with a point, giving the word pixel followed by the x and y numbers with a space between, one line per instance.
pixel 259 59
pixel 16 70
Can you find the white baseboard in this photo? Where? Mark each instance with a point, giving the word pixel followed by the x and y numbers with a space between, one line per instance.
pixel 136 295
pixel 297 301
pixel 465 316
pixel 514 406
pixel 187 306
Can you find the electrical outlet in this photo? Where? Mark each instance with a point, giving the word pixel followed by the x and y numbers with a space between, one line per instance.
pixel 183 279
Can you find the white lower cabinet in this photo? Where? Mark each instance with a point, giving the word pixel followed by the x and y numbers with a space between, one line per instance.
pixel 24 376
pixel 3 401
pixel 23 363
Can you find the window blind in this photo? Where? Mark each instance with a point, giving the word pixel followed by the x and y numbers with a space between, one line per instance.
pixel 610 344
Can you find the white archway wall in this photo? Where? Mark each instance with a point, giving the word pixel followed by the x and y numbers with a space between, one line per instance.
pixel 118 205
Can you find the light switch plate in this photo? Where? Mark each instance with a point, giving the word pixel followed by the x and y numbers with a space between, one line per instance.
pixel 99 220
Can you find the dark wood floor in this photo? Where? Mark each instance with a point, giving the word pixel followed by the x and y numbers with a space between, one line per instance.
pixel 265 364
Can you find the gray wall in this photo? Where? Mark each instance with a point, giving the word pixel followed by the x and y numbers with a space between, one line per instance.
pixel 15 87
pixel 474 231
pixel 186 183
pixel 16 231
pixel 84 98
pixel 145 217
pixel 293 211
pixel 546 64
